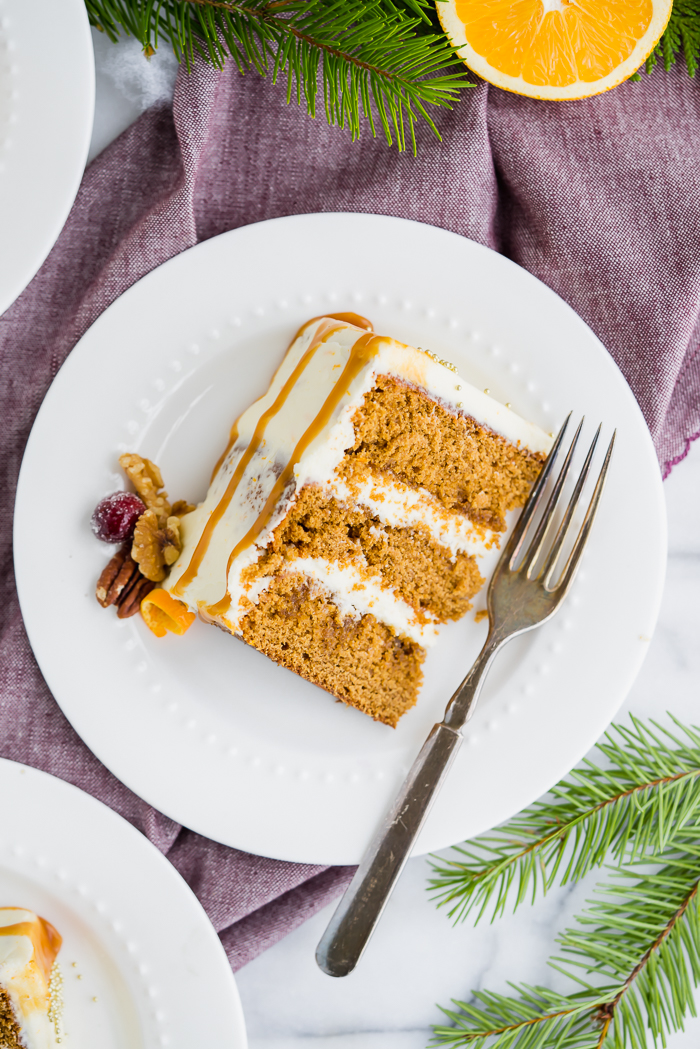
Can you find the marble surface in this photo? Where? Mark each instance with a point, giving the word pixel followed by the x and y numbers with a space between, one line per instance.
pixel 417 959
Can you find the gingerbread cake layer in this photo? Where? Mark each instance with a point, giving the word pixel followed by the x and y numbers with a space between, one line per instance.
pixel 10 1033
pixel 360 661
pixel 404 559
pixel 347 516
pixel 401 430
pixel 30 1004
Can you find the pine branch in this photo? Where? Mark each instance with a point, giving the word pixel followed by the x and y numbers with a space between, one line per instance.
pixel 644 935
pixel 532 1018
pixel 640 941
pixel 379 59
pixel 648 796
pixel 682 35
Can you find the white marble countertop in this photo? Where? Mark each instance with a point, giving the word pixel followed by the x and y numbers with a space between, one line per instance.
pixel 417 959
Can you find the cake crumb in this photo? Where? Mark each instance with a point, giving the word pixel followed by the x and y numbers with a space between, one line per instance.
pixel 481 614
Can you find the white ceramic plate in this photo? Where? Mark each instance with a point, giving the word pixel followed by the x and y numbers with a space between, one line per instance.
pixel 210 731
pixel 142 965
pixel 47 98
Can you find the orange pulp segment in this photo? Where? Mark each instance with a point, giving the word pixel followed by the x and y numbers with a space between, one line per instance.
pixel 554 48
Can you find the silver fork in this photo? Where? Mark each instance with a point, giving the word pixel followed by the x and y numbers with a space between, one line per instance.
pixel 521 596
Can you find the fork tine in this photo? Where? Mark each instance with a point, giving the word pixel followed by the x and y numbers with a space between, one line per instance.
pixel 567 576
pixel 535 547
pixel 553 556
pixel 513 545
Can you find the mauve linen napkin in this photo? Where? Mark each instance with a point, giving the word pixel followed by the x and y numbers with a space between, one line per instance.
pixel 599 198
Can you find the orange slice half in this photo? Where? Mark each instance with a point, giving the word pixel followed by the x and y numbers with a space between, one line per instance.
pixel 165 614
pixel 555 49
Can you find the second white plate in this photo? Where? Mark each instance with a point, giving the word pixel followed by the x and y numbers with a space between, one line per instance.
pixel 210 731
pixel 47 98
pixel 142 965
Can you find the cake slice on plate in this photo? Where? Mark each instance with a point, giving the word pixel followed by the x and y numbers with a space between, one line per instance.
pixel 30 982
pixel 346 517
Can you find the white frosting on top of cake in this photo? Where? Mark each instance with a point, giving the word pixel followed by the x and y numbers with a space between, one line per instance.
pixel 25 950
pixel 297 434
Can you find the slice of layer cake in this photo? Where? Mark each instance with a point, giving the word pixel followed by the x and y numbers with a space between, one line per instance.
pixel 345 519
pixel 30 998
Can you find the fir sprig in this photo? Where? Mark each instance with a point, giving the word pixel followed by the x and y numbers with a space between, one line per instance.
pixel 634 956
pixel 643 937
pixel 645 797
pixel 640 943
pixel 682 36
pixel 378 59
pixel 385 60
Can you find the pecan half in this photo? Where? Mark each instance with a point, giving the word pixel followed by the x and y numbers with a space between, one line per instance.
pixel 126 576
pixel 131 599
pixel 109 574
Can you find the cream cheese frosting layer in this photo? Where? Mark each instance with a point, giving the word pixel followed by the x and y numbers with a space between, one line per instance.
pixel 354 593
pixel 28 947
pixel 297 434
pixel 397 505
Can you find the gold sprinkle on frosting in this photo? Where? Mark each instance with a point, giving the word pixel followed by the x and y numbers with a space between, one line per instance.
pixel 438 360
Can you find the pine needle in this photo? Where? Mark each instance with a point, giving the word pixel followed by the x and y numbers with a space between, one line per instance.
pixel 682 36
pixel 638 805
pixel 633 958
pixel 381 60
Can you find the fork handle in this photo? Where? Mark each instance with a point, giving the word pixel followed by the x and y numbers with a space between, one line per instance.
pixel 365 898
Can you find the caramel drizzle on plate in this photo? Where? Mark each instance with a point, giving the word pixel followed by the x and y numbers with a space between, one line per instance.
pixel 361 353
pixel 323 333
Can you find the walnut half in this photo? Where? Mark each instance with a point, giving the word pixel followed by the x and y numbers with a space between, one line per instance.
pixel 154 547
pixel 148 482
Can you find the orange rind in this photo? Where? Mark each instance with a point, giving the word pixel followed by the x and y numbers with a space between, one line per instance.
pixel 164 614
pixel 554 49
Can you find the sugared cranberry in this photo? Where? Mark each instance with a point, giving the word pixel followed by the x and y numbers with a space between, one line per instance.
pixel 115 517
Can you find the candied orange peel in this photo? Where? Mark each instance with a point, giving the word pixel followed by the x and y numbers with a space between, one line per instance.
pixel 164 614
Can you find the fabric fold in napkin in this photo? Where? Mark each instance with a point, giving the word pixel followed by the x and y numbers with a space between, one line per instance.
pixel 599 198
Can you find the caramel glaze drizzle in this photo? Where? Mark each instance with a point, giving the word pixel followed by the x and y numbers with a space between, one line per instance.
pixel 362 352
pixel 349 318
pixel 323 333
pixel 233 436
pixel 344 318
pixel 47 942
